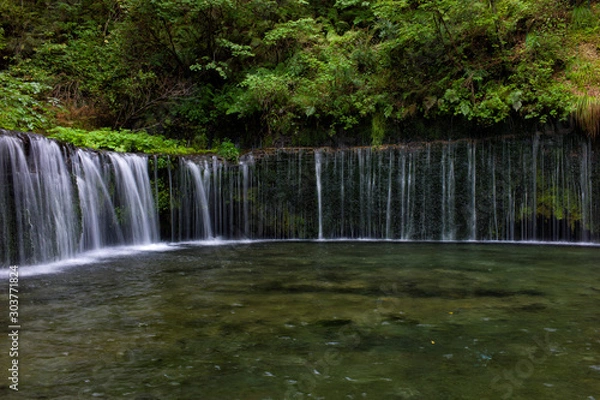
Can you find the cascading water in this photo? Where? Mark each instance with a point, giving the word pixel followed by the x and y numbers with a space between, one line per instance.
pixel 134 198
pixel 38 215
pixel 57 201
pixel 99 224
pixel 505 189
pixel 245 187
pixel 195 213
pixel 318 168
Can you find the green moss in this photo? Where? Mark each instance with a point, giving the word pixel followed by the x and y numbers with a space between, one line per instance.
pixel 122 141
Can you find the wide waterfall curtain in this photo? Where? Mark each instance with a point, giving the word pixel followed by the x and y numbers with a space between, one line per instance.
pixel 57 201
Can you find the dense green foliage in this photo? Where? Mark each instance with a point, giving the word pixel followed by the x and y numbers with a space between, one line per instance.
pixel 22 105
pixel 294 71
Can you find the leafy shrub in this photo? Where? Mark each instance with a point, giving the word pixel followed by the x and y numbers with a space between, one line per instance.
pixel 22 104
pixel 227 150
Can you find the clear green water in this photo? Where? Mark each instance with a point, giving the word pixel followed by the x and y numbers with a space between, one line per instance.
pixel 316 320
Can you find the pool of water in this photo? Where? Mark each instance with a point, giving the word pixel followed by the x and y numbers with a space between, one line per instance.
pixel 314 320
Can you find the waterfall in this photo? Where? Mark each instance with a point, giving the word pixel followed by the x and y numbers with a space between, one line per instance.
pixel 134 196
pixel 100 226
pixel 525 189
pixel 388 209
pixel 318 163
pixel 245 188
pixel 37 201
pixel 473 195
pixel 57 201
pixel 195 218
pixel 448 193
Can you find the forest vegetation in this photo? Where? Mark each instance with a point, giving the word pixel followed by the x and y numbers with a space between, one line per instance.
pixel 210 73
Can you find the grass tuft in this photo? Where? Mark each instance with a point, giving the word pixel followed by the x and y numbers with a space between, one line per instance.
pixel 587 115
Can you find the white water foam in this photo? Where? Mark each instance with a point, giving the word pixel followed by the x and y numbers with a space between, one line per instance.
pixel 90 257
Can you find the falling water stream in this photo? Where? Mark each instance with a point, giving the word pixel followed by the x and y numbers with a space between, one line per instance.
pixel 58 201
pixel 318 169
pixel 447 270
